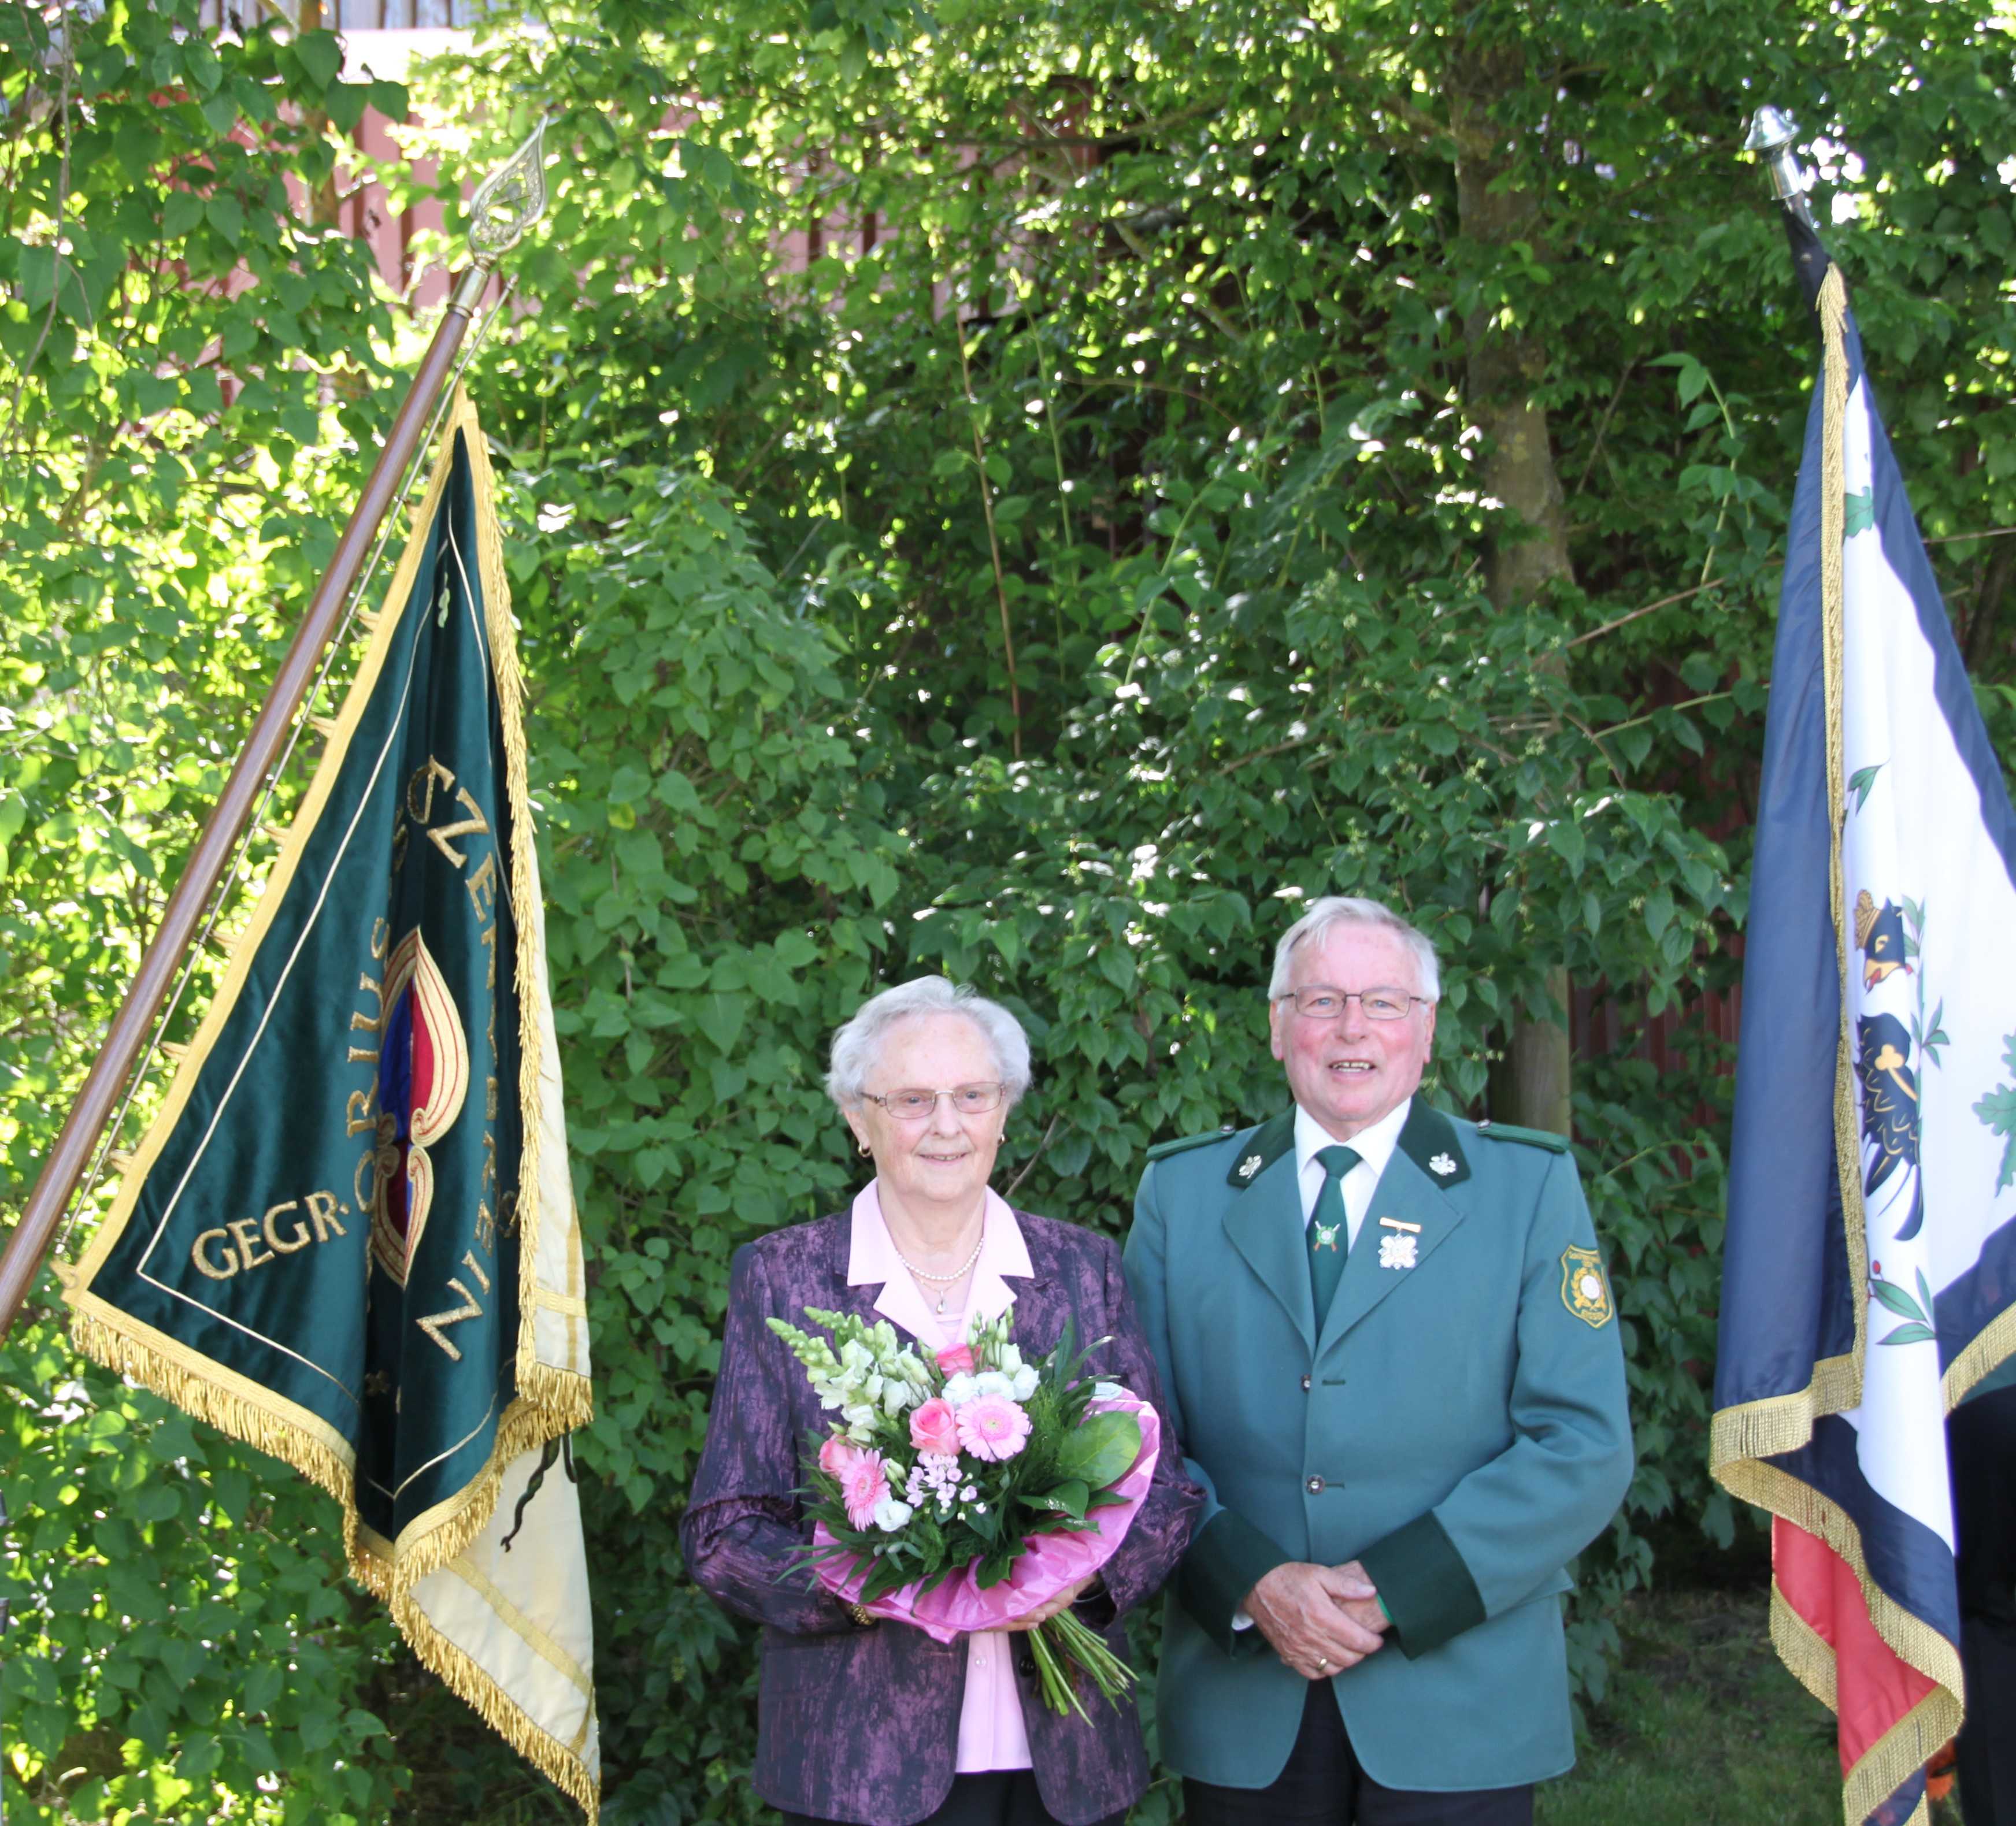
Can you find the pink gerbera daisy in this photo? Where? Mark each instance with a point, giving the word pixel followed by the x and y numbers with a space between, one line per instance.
pixel 992 1427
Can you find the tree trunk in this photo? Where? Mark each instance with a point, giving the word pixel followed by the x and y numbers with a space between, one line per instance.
pixel 1530 1085
pixel 324 210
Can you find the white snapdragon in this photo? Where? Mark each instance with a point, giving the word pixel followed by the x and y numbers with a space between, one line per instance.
pixel 892 1513
pixel 896 1395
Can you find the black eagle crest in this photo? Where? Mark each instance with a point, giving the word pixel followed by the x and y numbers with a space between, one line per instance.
pixel 1889 1108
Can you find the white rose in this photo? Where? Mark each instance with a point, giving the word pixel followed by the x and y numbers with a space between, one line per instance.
pixel 993 1382
pixel 960 1389
pixel 891 1515
pixel 1026 1381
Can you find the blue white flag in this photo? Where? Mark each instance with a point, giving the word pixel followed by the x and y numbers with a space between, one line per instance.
pixel 1869 1263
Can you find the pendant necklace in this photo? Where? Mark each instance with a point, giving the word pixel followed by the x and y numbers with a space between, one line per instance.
pixel 947 1281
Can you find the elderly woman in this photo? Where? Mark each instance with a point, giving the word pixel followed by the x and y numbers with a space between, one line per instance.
pixel 874 1722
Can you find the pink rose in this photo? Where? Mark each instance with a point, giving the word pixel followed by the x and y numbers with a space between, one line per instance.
pixel 835 1452
pixel 956 1361
pixel 992 1426
pixel 862 1485
pixel 933 1429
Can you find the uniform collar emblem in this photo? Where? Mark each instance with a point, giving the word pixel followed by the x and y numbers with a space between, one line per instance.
pixel 1442 1166
pixel 1250 1166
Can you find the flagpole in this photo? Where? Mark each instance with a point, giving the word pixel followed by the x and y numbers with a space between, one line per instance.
pixel 509 201
pixel 1771 136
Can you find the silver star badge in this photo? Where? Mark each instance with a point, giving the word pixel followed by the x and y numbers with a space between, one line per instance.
pixel 1396 1251
pixel 1250 1166
pixel 1442 1165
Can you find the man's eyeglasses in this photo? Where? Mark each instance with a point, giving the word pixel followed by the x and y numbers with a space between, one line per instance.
pixel 1319 1002
pixel 915 1105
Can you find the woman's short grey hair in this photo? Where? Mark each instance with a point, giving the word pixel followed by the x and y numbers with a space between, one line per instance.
pixel 1349 910
pixel 858 1042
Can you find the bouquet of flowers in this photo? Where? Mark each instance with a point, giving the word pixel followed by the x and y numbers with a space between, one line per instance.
pixel 966 1490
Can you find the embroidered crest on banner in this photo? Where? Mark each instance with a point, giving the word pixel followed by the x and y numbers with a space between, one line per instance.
pixel 423 1073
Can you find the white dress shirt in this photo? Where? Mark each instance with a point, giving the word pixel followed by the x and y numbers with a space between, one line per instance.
pixel 1374 1148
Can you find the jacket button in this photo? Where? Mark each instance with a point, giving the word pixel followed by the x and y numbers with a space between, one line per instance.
pixel 1305 1383
pixel 1315 1484
pixel 1025 1665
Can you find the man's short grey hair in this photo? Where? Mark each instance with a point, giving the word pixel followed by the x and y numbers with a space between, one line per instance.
pixel 1333 910
pixel 858 1043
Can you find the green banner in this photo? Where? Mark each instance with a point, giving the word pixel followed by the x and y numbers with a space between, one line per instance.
pixel 340 1240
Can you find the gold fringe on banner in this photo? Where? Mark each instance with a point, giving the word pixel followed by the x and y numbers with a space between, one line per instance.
pixel 560 1764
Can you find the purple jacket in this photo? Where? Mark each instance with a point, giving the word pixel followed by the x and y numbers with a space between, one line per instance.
pixel 862 1724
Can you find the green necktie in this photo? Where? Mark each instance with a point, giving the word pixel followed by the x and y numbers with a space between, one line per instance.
pixel 1330 1230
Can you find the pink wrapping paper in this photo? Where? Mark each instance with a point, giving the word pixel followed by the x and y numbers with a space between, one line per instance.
pixel 1051 1563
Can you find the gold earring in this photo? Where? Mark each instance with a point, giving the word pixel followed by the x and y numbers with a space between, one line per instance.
pixel 865 1149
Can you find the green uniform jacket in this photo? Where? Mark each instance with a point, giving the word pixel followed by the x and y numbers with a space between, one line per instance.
pixel 1460 1425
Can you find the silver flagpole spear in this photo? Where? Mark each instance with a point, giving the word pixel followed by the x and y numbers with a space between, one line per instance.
pixel 1772 132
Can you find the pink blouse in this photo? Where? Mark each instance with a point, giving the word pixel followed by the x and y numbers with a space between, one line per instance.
pixel 991 1734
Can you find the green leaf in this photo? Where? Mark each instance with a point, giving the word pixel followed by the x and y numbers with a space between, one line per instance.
pixel 321 56
pixel 1102 1450
pixel 1911 1334
pixel 1998 1110
pixel 1070 1496
pixel 226 214
pixel 180 211
pixel 1861 512
pixel 1896 1299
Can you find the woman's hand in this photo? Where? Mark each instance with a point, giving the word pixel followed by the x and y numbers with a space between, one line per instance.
pixel 1057 1606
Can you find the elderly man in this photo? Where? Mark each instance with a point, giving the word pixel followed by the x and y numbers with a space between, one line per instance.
pixel 1388 1347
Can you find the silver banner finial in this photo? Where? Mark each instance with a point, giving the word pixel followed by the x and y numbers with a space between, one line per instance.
pixel 1771 135
pixel 512 199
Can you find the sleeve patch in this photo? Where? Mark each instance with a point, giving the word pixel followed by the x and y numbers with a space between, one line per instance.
pixel 1585 1290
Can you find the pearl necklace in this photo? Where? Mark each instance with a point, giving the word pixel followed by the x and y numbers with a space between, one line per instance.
pixel 947 1280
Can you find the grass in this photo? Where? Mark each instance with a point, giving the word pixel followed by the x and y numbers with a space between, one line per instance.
pixel 1703 1727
